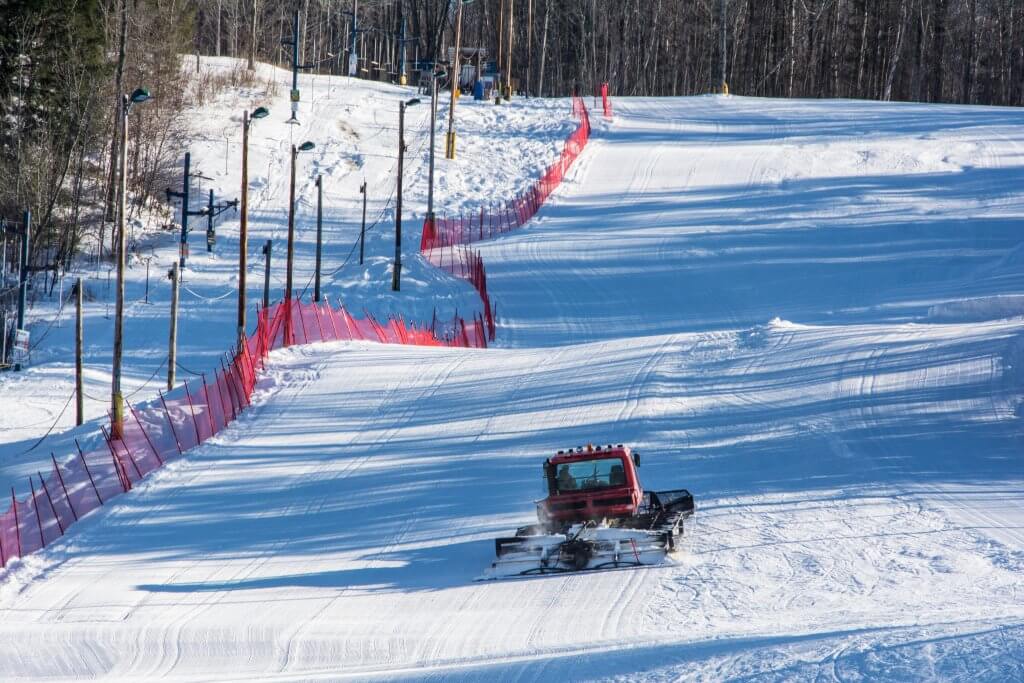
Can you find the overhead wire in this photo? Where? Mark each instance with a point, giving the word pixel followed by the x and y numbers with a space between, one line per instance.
pixel 50 430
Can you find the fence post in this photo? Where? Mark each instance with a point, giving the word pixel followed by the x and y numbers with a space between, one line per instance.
pixel 60 478
pixel 302 323
pixel 246 376
pixel 320 325
pixel 88 473
pixel 236 375
pixel 35 504
pixel 260 332
pixel 330 316
pixel 46 490
pixel 192 408
pixel 131 457
pixel 233 399
pixel 174 432
pixel 118 467
pixel 209 407
pixel 17 524
pixel 249 377
pixel 145 435
pixel 218 384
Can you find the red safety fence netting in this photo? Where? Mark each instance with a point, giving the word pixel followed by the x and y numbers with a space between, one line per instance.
pixel 462 262
pixel 444 239
pixel 156 432
pixel 605 102
pixel 497 219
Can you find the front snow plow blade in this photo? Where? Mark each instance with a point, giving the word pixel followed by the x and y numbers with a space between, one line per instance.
pixel 642 541
pixel 582 549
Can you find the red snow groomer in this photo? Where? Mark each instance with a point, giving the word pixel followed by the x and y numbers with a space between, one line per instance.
pixel 596 516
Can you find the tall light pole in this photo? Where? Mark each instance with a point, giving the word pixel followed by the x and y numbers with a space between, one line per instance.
pixel 116 398
pixel 529 45
pixel 508 61
pixel 295 66
pixel 433 128
pixel 456 70
pixel 396 274
pixel 304 147
pixel 243 226
pixel 26 233
pixel 353 57
pixel 319 235
pixel 723 85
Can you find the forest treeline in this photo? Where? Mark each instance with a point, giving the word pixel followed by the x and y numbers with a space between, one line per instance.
pixel 964 51
pixel 63 64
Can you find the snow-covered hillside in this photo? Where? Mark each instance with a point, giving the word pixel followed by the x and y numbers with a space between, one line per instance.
pixel 354 125
pixel 802 311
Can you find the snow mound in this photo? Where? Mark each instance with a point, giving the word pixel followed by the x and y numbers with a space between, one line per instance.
pixel 979 309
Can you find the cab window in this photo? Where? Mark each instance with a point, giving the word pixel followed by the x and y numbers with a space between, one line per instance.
pixel 586 475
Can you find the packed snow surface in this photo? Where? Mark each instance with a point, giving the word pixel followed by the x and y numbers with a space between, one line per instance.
pixel 801 311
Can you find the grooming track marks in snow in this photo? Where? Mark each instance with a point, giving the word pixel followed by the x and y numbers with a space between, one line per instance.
pixel 776 302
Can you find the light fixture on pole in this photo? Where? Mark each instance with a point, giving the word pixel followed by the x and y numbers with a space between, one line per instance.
pixel 296 67
pixel 288 340
pixel 243 228
pixel 137 96
pixel 396 274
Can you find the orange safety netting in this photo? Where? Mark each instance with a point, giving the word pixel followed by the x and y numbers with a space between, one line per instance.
pixel 513 213
pixel 443 241
pixel 159 431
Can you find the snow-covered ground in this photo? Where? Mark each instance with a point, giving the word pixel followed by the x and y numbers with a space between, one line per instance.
pixel 801 311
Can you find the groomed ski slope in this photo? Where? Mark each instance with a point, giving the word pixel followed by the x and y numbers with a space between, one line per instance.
pixel 805 312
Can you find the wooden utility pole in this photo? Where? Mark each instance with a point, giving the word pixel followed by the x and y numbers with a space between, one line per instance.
pixel 454 78
pixel 319 235
pixel 290 259
pixel 116 397
pixel 79 397
pixel 501 41
pixel 252 34
pixel 396 273
pixel 267 251
pixel 721 17
pixel 243 228
pixel 353 56
pixel 172 347
pixel 111 206
pixel 508 62
pixel 544 48
pixel 362 230
pixel 529 46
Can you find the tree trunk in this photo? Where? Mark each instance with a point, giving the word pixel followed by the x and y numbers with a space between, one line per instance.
pixel 544 47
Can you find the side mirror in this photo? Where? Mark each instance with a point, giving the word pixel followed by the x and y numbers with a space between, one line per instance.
pixel 636 459
pixel 549 477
